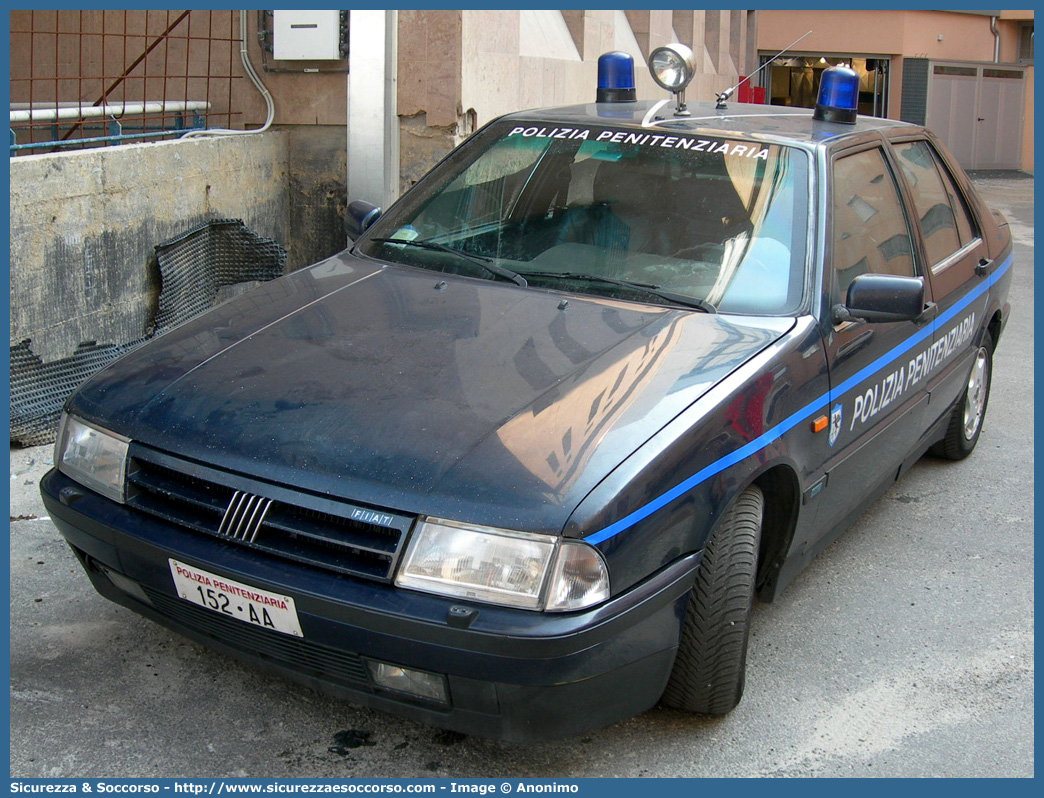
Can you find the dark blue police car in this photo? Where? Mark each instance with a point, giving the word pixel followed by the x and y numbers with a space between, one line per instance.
pixel 519 461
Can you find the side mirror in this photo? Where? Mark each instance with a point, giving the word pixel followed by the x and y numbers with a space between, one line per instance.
pixel 359 217
pixel 881 298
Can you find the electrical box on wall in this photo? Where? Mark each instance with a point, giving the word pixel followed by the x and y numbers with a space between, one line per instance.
pixel 306 35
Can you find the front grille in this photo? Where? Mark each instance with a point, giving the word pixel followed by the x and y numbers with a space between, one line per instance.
pixel 319 532
pixel 300 655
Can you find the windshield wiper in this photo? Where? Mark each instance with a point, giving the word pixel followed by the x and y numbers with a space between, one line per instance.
pixel 645 288
pixel 479 260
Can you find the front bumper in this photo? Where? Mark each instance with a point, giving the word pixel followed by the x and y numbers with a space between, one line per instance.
pixel 511 674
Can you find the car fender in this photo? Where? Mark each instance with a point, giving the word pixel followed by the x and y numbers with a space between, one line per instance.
pixel 663 501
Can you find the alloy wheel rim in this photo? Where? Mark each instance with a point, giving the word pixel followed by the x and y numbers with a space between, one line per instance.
pixel 976 396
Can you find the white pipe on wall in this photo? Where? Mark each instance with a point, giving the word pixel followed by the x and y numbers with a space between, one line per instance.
pixel 22 112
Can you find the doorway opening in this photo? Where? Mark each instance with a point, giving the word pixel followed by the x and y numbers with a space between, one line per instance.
pixel 794 80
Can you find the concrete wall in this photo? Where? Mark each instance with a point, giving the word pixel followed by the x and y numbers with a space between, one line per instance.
pixel 84 224
pixel 317 171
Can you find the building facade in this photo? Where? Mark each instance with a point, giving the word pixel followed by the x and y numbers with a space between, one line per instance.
pixel 968 75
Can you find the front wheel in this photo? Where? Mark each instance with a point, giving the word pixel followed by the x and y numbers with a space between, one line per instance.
pixel 708 672
pixel 962 433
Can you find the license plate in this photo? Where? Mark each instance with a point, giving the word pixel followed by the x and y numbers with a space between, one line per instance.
pixel 235 599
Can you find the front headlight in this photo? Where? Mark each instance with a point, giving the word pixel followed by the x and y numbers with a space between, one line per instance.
pixel 500 566
pixel 92 456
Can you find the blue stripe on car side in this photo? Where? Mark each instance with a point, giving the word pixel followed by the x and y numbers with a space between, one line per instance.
pixel 776 432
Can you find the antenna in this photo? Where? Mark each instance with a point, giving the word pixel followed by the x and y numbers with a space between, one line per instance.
pixel 728 92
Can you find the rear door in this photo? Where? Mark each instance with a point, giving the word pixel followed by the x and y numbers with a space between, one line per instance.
pixel 958 265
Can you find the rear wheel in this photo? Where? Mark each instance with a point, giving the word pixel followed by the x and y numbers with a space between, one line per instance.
pixel 709 669
pixel 962 433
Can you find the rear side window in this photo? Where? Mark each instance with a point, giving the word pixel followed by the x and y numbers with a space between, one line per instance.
pixel 870 233
pixel 945 223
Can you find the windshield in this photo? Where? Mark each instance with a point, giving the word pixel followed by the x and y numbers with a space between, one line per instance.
pixel 720 221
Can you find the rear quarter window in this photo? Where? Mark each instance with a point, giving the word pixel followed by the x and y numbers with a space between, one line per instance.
pixel 945 224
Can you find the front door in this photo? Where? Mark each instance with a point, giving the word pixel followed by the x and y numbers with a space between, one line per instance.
pixel 876 410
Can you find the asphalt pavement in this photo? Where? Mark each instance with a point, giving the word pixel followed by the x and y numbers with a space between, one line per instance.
pixel 905 649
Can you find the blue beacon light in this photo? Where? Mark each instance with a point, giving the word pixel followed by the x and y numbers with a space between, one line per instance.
pixel 838 96
pixel 615 78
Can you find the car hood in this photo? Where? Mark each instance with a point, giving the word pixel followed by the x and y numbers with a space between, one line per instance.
pixel 420 391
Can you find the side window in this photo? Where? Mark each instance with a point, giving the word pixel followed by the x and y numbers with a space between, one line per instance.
pixel 944 220
pixel 870 234
pixel 965 226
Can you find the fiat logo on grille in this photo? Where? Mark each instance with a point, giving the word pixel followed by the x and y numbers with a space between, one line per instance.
pixel 244 516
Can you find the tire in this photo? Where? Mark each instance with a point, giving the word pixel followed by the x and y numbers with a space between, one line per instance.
pixel 709 668
pixel 962 433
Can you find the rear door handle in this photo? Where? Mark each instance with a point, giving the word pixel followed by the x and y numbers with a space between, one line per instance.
pixel 982 268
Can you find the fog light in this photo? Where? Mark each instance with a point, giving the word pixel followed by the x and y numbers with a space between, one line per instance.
pixel 128 586
pixel 429 686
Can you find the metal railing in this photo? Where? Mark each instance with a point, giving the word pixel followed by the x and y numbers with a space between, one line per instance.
pixel 83 78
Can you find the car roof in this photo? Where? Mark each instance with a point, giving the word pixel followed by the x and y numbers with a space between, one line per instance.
pixel 775 123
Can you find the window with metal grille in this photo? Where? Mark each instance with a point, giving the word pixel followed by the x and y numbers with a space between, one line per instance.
pixel 82 78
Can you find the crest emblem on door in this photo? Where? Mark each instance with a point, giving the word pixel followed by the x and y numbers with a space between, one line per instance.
pixel 835 423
